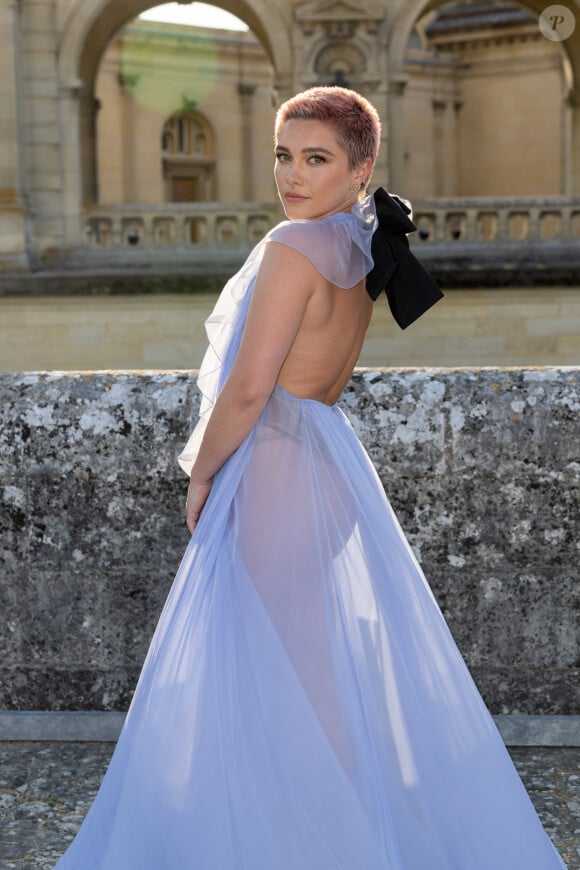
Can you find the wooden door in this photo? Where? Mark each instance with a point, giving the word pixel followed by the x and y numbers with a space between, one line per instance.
pixel 185 189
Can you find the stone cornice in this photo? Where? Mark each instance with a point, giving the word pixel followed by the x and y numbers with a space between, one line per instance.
pixel 460 39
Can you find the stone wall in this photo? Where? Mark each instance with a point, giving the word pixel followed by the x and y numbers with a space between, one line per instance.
pixel 481 466
pixel 511 326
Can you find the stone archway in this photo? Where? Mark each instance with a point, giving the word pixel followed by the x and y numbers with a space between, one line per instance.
pixel 188 158
pixel 400 28
pixel 87 32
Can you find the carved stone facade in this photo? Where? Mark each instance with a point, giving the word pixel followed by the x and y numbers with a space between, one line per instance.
pixel 339 43
pixel 428 75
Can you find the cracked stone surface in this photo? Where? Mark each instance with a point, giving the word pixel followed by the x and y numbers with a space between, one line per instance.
pixel 46 788
pixel 482 467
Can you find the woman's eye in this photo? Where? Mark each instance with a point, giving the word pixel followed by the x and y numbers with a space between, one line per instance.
pixel 281 157
pixel 317 158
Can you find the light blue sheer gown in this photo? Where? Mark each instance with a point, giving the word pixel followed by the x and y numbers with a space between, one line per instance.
pixel 303 705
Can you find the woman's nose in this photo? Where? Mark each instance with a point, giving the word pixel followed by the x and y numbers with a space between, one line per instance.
pixel 293 175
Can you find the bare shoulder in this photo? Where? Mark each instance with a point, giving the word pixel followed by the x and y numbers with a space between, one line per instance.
pixel 278 251
pixel 285 267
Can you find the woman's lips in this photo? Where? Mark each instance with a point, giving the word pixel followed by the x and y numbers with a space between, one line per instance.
pixel 294 197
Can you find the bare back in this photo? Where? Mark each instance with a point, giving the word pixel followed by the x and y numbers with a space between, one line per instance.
pixel 328 342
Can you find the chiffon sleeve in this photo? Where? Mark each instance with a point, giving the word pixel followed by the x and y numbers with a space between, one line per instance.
pixel 338 248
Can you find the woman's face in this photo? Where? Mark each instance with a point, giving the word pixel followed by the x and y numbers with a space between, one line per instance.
pixel 312 172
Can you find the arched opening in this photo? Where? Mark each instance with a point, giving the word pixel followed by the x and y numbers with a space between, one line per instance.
pixel 90 34
pixel 184 80
pixel 482 102
pixel 188 158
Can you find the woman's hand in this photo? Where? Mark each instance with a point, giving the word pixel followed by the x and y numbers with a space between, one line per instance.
pixel 196 498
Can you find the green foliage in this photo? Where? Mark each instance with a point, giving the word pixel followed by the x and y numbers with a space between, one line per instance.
pixel 187 104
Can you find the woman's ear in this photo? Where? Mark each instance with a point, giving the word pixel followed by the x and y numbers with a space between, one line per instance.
pixel 363 173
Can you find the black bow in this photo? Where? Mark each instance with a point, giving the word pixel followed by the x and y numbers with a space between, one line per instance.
pixel 409 287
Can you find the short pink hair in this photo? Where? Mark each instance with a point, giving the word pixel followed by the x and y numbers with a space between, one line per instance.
pixel 356 122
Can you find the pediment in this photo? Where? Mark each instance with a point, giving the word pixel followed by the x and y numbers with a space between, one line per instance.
pixel 335 10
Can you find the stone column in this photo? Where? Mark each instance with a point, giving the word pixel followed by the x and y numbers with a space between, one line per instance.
pixel 72 218
pixel 451 146
pixel 446 146
pixel 382 176
pixel 13 243
pixel 89 108
pixel 43 147
pixel 246 94
pixel 396 133
pixel 439 137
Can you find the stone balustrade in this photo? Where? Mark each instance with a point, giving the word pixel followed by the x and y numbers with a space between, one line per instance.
pixel 171 226
pixel 462 242
pixel 484 219
pixel 206 226
pixel 481 466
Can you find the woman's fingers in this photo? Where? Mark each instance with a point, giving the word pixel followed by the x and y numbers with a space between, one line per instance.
pixel 196 498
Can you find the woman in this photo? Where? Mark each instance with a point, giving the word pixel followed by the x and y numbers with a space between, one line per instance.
pixel 303 705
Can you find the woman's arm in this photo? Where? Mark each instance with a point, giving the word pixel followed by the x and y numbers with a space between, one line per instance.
pixel 284 284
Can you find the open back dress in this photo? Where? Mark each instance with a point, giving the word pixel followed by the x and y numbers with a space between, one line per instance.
pixel 303 705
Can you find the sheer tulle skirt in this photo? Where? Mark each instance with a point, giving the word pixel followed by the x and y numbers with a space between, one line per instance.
pixel 303 705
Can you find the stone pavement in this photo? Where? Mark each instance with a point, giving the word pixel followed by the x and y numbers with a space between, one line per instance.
pixel 45 789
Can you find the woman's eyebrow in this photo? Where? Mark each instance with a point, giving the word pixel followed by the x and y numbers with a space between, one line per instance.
pixel 310 150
